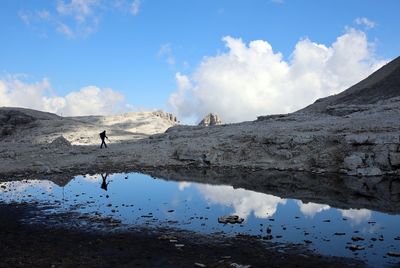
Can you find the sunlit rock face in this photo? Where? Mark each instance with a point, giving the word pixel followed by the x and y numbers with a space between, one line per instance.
pixel 211 119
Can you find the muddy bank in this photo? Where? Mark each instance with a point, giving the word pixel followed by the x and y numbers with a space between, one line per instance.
pixel 42 245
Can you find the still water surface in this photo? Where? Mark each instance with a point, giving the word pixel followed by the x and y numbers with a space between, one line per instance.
pixel 140 200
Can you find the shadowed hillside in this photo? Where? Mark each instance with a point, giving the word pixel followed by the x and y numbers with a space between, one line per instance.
pixel 381 85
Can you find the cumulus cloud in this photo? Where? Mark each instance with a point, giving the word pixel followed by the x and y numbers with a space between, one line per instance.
pixel 311 209
pixel 91 100
pixel 243 201
pixel 365 22
pixel 252 79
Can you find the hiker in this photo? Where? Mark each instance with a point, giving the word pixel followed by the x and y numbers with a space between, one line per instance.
pixel 104 184
pixel 102 137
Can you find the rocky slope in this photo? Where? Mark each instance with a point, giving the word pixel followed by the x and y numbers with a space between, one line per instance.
pixel 355 133
pixel 26 125
pixel 382 85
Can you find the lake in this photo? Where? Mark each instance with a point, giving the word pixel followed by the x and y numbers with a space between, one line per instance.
pixel 358 218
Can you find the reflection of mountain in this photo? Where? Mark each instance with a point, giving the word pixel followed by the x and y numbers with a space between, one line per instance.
pixel 374 193
pixel 243 201
pixel 380 194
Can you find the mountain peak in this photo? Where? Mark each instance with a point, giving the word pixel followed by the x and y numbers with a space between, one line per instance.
pixel 381 85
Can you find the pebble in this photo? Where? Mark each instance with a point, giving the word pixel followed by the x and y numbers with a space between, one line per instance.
pixel 393 254
pixel 357 238
pixel 356 247
pixel 230 219
pixel 338 233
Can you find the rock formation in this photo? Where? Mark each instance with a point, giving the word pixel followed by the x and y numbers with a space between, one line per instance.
pixel 356 132
pixel 211 119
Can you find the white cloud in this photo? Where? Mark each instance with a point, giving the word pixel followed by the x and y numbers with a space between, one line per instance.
pixel 79 9
pixel 165 51
pixel 365 22
pixel 251 79
pixel 44 14
pixel 91 100
pixel 65 30
pixel 25 17
pixel 311 209
pixel 356 216
pixel 76 18
pixel 243 201
pixel 135 7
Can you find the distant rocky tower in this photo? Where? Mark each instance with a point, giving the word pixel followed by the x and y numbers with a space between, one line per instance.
pixel 211 119
pixel 165 115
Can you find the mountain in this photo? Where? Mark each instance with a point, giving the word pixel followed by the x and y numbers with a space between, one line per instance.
pixel 381 85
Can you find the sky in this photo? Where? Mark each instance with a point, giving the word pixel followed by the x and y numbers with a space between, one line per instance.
pixel 238 58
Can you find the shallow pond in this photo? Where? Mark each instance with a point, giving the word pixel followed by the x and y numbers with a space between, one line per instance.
pixel 135 199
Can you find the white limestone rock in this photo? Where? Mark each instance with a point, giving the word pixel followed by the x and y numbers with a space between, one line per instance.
pixel 211 119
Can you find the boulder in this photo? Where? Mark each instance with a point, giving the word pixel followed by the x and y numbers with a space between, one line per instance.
pixel 211 119
pixel 60 142
pixel 395 159
pixel 353 161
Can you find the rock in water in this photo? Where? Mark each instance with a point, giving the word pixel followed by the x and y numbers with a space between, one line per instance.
pixel 230 219
pixel 211 119
pixel 60 142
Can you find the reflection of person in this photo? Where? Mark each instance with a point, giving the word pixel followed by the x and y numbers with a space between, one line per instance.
pixel 102 137
pixel 104 184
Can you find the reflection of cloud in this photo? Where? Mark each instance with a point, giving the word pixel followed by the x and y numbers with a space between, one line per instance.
pixel 14 188
pixel 243 201
pixel 310 209
pixel 183 185
pixel 356 216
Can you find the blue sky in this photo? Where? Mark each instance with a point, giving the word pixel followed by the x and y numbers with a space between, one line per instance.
pixel 139 48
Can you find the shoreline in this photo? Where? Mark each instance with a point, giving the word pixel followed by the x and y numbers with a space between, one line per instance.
pixel 142 247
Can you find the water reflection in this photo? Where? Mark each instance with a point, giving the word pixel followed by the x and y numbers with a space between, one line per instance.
pixel 104 184
pixel 310 209
pixel 139 200
pixel 243 201
pixel 357 216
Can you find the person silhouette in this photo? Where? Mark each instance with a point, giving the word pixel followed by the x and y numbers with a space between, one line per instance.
pixel 104 184
pixel 102 137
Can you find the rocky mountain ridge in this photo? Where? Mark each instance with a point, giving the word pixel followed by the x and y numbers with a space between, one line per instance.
pixel 348 133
